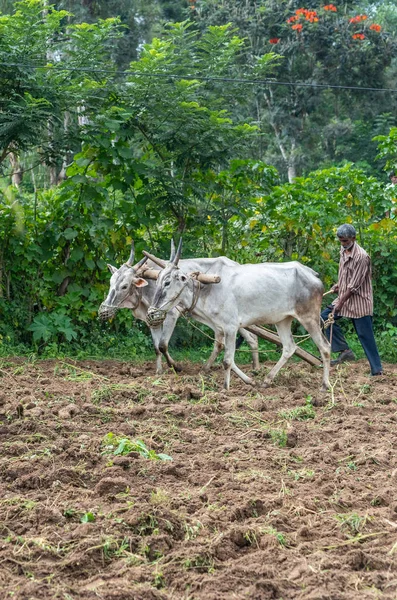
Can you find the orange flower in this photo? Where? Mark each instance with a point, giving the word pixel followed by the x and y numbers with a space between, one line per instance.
pixel 375 27
pixel 358 36
pixel 297 27
pixel 274 41
pixel 310 15
pixel 358 18
pixel 331 7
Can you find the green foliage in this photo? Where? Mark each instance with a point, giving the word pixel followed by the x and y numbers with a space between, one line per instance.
pixel 88 517
pixel 37 47
pixel 308 125
pixel 48 327
pixel 116 445
pixel 300 413
pixel 298 222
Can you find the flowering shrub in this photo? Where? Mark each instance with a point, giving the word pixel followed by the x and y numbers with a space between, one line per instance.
pixel 303 15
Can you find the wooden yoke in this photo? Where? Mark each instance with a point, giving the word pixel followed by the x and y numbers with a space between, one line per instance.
pixel 152 274
pixel 205 277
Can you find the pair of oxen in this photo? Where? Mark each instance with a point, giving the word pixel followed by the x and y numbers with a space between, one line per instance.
pixel 225 296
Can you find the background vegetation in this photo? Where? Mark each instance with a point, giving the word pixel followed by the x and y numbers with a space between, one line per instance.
pixel 254 128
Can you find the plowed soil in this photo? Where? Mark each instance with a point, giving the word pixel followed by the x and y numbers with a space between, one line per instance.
pixel 282 492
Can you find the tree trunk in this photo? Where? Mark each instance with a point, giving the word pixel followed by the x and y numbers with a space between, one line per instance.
pixel 16 176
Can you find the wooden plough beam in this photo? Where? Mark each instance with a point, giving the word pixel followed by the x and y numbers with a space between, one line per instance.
pixel 273 337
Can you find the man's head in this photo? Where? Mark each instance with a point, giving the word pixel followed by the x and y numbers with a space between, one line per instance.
pixel 393 177
pixel 346 235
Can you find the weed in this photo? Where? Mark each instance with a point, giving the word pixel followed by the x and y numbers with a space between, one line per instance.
pixel 159 497
pixel 159 580
pixel 251 538
pixel 301 474
pixel 117 445
pixel 353 522
pixel 114 548
pixel 147 525
pixel 352 466
pixel 20 502
pixel 88 517
pixel 300 413
pixel 204 563
pixel 278 437
pixel 280 537
pixel 192 531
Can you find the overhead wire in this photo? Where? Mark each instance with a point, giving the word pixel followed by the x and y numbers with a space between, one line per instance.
pixel 236 80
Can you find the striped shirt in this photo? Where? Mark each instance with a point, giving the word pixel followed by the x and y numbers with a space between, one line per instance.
pixel 355 275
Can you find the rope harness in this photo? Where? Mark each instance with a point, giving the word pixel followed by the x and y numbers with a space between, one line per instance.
pixel 156 316
pixel 329 323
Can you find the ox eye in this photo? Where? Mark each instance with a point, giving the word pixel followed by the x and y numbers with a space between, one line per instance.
pixel 124 287
pixel 183 278
pixel 167 283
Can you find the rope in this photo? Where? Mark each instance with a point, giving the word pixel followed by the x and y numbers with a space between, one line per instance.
pixel 329 323
pixel 189 320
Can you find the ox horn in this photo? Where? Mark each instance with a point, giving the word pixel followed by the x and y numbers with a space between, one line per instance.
pixel 177 256
pixel 173 250
pixel 130 261
pixel 140 263
pixel 158 261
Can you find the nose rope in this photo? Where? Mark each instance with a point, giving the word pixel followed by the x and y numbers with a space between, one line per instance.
pixel 139 300
pixel 155 316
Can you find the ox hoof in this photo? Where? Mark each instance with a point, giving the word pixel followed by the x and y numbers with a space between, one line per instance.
pixel 324 388
pixel 176 368
pixel 265 384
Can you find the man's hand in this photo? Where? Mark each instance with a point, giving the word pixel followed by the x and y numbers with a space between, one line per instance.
pixel 335 288
pixel 340 301
pixel 337 306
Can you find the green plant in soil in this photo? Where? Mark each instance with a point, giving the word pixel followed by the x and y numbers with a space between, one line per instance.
pixel 353 522
pixel 202 562
pixel 300 413
pixel 280 537
pixel 118 445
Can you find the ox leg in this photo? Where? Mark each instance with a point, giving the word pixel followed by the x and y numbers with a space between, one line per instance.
pixel 252 341
pixel 312 326
pixel 166 331
pixel 156 337
pixel 218 347
pixel 289 346
pixel 228 360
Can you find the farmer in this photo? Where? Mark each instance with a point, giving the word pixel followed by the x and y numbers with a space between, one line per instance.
pixel 354 301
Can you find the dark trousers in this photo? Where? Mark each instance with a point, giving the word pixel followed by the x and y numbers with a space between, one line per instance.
pixel 365 334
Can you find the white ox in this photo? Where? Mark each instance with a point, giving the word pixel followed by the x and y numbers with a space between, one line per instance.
pixel 266 293
pixel 129 289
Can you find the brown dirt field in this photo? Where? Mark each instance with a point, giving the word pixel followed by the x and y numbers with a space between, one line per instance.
pixel 278 493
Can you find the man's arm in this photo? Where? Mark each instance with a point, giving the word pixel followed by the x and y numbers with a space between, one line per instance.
pixel 341 301
pixel 362 267
pixel 360 272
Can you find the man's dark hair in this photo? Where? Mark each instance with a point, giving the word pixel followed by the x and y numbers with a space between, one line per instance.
pixel 346 231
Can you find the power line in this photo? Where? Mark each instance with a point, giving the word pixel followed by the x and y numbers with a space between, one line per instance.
pixel 206 78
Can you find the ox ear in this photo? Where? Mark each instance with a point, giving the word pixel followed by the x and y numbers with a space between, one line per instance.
pixel 140 283
pixel 112 269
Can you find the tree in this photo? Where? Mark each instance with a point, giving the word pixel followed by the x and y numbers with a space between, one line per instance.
pixel 35 94
pixel 167 126
pixel 304 119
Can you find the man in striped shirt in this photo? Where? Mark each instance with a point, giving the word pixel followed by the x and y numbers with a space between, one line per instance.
pixel 354 301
